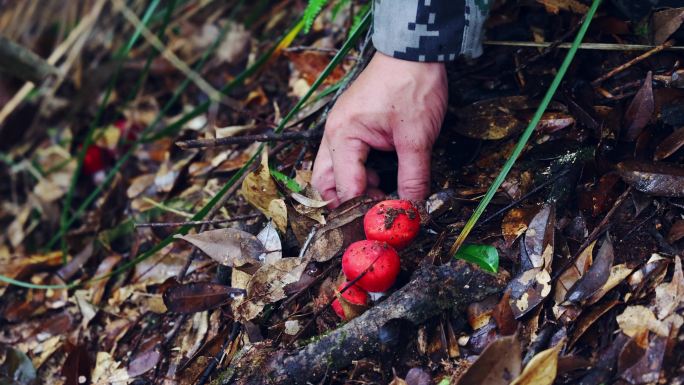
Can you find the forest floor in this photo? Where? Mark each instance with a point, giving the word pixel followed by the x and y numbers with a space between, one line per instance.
pixel 161 228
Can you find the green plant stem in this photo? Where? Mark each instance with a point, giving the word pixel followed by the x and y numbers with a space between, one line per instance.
pixel 528 131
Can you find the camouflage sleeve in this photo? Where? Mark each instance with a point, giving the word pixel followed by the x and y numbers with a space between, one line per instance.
pixel 429 30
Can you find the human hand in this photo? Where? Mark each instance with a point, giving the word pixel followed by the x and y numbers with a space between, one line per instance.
pixel 393 105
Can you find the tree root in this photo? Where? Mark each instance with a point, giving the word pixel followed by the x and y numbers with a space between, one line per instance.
pixel 432 290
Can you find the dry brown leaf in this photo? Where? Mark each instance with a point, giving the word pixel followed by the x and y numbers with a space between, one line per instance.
pixel 665 23
pixel 515 223
pixel 259 189
pixel 108 371
pixel 555 6
pixel 499 362
pixel 618 273
pixel 640 110
pixel 669 296
pixel 266 286
pixel 573 273
pixel 228 246
pixel 637 319
pixel 542 368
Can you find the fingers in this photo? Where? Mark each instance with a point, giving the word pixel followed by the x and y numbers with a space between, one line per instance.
pixel 413 178
pixel 349 166
pixel 323 178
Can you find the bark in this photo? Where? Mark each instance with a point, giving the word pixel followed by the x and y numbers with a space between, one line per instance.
pixel 431 291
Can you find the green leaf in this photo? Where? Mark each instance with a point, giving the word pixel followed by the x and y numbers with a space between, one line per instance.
pixel 485 256
pixel 290 183
pixel 311 12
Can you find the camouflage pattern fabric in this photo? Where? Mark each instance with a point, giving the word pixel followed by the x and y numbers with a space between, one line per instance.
pixel 429 30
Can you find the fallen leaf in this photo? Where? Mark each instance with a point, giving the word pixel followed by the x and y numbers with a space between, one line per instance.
pixel 418 376
pixel 541 370
pixel 199 296
pixel 676 232
pixel 585 322
pixel 670 145
pixel 539 238
pixel 77 366
pixel 669 296
pixel 659 179
pixel 227 246
pixel 555 6
pixel 503 316
pixel 634 320
pixel 574 273
pixel 267 286
pixel 515 223
pixel 109 372
pixel 618 273
pixel 259 189
pixel 308 202
pixel 143 362
pixel 269 238
pixel 344 226
pixel 277 211
pixel 647 369
pixel 491 119
pixel 500 362
pixel 640 110
pixel 665 23
pixel 595 277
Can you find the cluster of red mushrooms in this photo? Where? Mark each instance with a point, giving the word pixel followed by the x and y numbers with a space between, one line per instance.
pixel 372 265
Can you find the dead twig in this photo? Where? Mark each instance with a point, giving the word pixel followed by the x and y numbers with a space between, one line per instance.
pixel 632 62
pixel 247 139
pixel 198 223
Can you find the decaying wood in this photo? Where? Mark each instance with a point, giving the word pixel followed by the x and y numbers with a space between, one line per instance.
pixel 18 61
pixel 431 291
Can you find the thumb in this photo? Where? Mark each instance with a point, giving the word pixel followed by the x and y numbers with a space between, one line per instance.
pixel 413 178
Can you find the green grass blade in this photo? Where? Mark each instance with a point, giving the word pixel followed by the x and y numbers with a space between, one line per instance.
pixel 528 131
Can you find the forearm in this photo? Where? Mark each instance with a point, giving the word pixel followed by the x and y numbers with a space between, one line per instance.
pixel 429 30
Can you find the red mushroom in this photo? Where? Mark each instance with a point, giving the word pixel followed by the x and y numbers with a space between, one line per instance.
pixel 396 222
pixel 94 160
pixel 378 260
pixel 354 295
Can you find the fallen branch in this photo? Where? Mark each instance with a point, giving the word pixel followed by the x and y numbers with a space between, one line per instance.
pixel 431 291
pixel 247 139
pixel 19 61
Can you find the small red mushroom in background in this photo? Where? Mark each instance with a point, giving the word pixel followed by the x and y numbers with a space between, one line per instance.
pixel 354 295
pixel 378 261
pixel 395 221
pixel 94 160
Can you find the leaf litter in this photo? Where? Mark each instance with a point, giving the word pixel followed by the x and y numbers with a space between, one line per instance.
pixel 595 293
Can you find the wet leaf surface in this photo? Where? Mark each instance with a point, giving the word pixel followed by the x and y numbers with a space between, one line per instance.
pixel 658 179
pixel 199 296
pixel 15 367
pixel 639 112
pixel 498 364
pixel 670 145
pixel 596 276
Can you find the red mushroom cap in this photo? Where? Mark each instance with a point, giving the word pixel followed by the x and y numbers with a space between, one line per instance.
pixel 378 260
pixel 395 221
pixel 354 295
pixel 94 160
